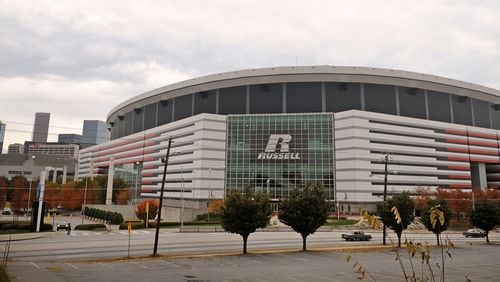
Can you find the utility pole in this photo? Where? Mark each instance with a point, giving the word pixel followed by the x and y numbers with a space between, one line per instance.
pixel 155 249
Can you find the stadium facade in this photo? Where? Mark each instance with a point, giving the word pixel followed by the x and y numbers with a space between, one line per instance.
pixel 274 128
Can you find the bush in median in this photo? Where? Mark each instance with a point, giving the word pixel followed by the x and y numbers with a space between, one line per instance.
pixel 90 226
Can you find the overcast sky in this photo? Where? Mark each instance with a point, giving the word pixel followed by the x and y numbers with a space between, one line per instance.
pixel 79 59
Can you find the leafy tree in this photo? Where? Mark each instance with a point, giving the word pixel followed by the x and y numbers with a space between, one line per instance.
pixel 243 213
pixel 215 206
pixel 406 207
pixel 123 197
pixel 442 205
pixel 3 191
pixel 485 215
pixel 305 210
pixel 459 201
pixel 140 211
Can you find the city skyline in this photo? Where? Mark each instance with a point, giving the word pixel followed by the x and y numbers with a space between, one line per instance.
pixel 91 56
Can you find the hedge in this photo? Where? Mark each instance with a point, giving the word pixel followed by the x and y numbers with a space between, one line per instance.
pixel 150 225
pixel 90 226
pixel 113 217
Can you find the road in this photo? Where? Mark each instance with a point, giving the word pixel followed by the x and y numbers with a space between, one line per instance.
pixel 57 258
pixel 82 245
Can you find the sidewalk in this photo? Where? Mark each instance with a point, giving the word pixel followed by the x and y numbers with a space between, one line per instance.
pixel 24 236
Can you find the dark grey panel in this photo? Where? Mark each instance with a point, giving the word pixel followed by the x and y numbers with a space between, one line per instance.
pixel 128 122
pixel 303 97
pixel 232 100
pixel 495 116
pixel 114 130
pixel 412 102
pixel 266 98
pixel 138 119
pixel 183 107
pixel 165 111
pixel 150 116
pixel 204 102
pixel 439 106
pixel 481 113
pixel 380 98
pixel 342 96
pixel 462 112
pixel 120 124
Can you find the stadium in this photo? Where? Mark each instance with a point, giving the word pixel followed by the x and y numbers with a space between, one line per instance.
pixel 349 128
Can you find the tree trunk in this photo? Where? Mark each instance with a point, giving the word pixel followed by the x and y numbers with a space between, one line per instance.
pixel 487 237
pixel 437 238
pixel 399 240
pixel 245 238
pixel 304 238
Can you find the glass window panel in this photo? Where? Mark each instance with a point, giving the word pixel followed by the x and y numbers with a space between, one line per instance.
pixel 303 97
pixel 183 106
pixel 380 98
pixel 495 116
pixel 266 98
pixel 138 119
pixel 128 123
pixel 439 106
pixel 165 111
pixel 412 102
pixel 481 113
pixel 232 100
pixel 204 102
pixel 462 113
pixel 150 116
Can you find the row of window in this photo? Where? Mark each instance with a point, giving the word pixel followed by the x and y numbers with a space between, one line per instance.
pixel 313 97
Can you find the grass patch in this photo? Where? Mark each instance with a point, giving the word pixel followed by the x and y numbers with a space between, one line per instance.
pixel 341 222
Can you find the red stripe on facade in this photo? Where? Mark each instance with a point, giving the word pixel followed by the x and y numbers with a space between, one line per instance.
pixel 147 174
pixel 457 141
pixel 456 176
pixel 146 182
pixel 456 132
pixel 483 152
pixel 121 143
pixel 484 161
pixel 149 166
pixel 146 190
pixel 460 150
pixel 148 159
pixel 485 144
pixel 458 159
pixel 458 167
pixel 483 135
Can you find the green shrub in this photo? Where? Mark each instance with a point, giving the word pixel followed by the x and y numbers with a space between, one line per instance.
pixel 90 226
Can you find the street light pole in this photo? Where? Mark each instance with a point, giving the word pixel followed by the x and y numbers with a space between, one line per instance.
pixel 31 180
pixel 136 180
pixel 268 187
pixel 182 196
pixel 210 193
pixel 155 249
pixel 386 160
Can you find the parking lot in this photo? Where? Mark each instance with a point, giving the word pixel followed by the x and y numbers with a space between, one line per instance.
pixel 478 262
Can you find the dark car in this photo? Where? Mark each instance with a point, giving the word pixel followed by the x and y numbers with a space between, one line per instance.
pixel 475 233
pixel 62 225
pixel 356 236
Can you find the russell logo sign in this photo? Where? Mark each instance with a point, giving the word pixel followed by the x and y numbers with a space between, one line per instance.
pixel 278 148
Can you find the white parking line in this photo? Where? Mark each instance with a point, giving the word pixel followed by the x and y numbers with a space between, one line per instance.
pixel 326 278
pixel 105 265
pixel 74 266
pixel 35 265
pixel 296 279
pixel 169 263
pixel 141 265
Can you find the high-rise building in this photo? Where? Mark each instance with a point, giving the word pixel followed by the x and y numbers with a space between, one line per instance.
pixel 41 128
pixel 2 135
pixel 95 132
pixel 16 149
pixel 70 138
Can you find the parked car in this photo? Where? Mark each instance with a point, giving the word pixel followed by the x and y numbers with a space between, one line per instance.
pixel 475 233
pixel 356 236
pixel 63 225
pixel 6 211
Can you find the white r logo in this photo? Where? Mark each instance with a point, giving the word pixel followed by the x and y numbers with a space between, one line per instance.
pixel 280 140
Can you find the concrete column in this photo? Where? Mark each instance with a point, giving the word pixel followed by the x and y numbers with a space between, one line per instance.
pixel 65 172
pixel 109 188
pixel 54 175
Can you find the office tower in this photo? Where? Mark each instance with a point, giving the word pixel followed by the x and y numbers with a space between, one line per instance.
pixel 95 132
pixel 41 128
pixel 2 135
pixel 70 138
